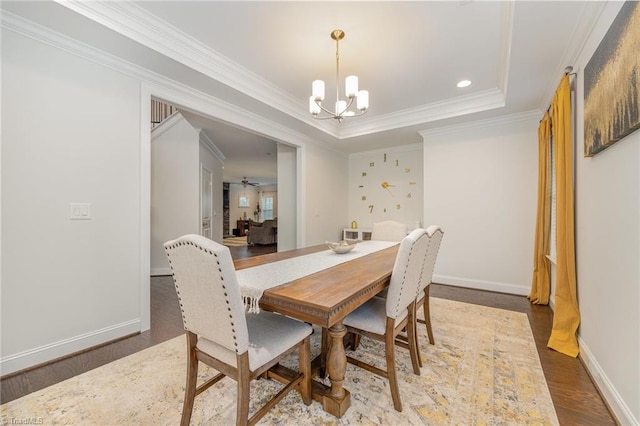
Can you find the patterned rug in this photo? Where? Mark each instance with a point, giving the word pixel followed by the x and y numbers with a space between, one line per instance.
pixel 235 241
pixel 483 369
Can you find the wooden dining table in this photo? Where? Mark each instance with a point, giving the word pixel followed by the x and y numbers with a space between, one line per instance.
pixel 325 298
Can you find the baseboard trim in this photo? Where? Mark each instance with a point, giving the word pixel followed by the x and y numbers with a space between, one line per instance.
pixel 160 271
pixel 482 285
pixel 32 357
pixel 612 399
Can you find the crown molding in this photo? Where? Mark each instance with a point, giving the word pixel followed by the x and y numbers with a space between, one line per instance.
pixel 134 22
pixel 588 19
pixel 161 86
pixel 212 147
pixel 480 124
pixel 506 39
pixel 462 105
pixel 403 148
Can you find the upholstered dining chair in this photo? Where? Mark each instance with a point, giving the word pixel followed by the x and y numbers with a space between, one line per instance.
pixel 435 238
pixel 388 230
pixel 435 235
pixel 383 319
pixel 222 335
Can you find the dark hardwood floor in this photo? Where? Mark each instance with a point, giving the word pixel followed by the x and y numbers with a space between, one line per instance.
pixel 575 398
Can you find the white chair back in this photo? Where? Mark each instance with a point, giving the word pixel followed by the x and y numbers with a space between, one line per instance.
pixel 407 272
pixel 388 230
pixel 435 234
pixel 208 291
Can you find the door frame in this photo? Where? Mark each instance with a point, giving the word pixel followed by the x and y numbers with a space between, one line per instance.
pixel 204 170
pixel 215 109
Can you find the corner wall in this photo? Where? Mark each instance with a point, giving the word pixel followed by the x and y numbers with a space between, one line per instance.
pixel 480 186
pixel 175 187
pixel 67 284
pixel 608 254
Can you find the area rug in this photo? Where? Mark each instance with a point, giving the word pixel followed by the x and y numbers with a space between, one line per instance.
pixel 235 241
pixel 483 370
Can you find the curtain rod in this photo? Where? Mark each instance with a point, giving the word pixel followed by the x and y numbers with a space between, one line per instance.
pixel 568 71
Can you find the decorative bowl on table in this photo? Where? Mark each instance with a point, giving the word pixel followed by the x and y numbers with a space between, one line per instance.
pixel 343 246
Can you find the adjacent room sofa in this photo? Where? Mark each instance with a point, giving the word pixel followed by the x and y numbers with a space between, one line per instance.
pixel 263 233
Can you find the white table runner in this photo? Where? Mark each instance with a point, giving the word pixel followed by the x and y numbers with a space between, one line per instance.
pixel 255 280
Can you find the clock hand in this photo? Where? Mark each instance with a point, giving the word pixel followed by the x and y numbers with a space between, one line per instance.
pixel 386 186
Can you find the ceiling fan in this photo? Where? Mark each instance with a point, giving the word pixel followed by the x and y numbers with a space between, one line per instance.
pixel 245 182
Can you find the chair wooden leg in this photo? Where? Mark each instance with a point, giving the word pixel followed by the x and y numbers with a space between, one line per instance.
pixel 244 378
pixel 415 335
pixel 192 377
pixel 304 362
pixel 391 366
pixel 427 315
pixel 355 341
pixel 414 351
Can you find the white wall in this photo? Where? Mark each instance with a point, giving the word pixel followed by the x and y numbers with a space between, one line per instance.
pixel 288 232
pixel 71 133
pixel 480 185
pixel 175 187
pixel 608 255
pixel 325 195
pixel 401 168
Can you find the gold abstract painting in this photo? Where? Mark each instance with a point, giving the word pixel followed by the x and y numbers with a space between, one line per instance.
pixel 612 83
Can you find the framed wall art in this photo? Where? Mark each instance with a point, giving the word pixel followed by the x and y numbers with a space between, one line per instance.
pixel 612 83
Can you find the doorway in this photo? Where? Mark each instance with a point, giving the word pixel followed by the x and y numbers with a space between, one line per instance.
pixel 215 110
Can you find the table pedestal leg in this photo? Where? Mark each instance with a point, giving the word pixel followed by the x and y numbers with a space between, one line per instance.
pixel 338 399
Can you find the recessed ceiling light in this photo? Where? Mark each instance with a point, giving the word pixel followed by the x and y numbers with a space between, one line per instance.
pixel 463 83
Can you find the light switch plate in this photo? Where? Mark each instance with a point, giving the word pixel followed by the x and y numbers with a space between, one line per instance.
pixel 79 211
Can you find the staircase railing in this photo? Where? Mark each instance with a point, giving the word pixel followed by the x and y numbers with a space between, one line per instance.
pixel 160 111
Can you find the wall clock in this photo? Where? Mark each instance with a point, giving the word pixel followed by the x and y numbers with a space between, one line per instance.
pixel 386 186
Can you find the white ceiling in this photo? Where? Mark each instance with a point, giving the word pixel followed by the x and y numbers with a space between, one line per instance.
pixel 262 57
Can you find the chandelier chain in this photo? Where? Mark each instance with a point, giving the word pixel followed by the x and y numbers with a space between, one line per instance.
pixel 342 108
pixel 338 72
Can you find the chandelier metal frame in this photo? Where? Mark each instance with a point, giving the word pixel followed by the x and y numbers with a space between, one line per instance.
pixel 342 108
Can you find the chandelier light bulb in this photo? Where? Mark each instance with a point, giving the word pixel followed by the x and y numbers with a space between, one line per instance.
pixel 317 90
pixel 351 86
pixel 363 100
pixel 351 92
pixel 314 108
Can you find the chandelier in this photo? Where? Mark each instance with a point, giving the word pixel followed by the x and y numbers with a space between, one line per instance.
pixel 351 92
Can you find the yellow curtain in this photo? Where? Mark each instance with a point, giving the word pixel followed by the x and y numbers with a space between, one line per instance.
pixel 566 316
pixel 540 286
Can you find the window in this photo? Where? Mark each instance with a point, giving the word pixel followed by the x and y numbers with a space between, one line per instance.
pixel 267 208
